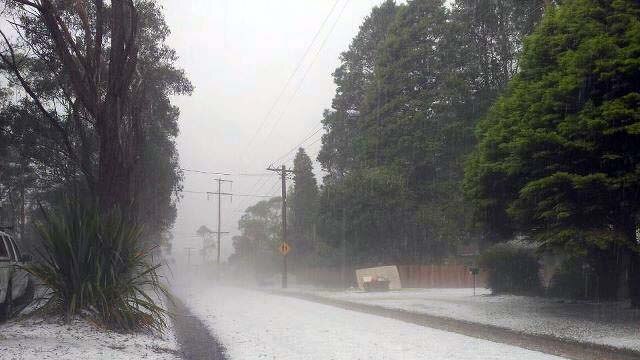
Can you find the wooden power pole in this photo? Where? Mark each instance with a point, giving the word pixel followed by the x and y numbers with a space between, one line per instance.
pixel 220 193
pixel 188 255
pixel 284 247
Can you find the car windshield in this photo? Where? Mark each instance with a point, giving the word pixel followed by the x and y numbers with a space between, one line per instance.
pixel 16 250
pixel 3 247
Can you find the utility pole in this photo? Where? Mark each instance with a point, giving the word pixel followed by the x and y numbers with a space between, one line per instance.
pixel 344 248
pixel 284 246
pixel 188 255
pixel 220 193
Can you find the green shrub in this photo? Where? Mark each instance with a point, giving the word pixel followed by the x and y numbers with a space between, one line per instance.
pixel 511 269
pixel 93 264
pixel 569 281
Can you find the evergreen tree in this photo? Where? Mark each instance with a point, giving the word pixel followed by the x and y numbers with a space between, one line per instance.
pixel 558 156
pixel 407 113
pixel 303 204
pixel 352 78
pixel 409 121
pixel 260 233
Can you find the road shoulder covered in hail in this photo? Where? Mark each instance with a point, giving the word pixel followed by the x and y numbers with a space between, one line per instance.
pixel 609 324
pixel 549 326
pixel 37 338
pixel 253 324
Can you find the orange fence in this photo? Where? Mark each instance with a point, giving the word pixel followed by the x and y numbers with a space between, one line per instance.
pixel 438 276
pixel 411 276
pixel 326 276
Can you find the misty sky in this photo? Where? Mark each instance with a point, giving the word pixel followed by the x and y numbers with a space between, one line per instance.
pixel 239 55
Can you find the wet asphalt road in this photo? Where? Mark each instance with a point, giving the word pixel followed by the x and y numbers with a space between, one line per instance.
pixel 194 338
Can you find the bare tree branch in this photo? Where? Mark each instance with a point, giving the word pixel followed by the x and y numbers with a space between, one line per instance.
pixel 29 3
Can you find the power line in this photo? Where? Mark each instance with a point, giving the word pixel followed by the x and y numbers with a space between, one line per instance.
pixel 303 78
pixel 205 172
pixel 256 187
pixel 263 184
pixel 261 177
pixel 239 195
pixel 315 141
pixel 245 174
pixel 286 85
pixel 273 187
pixel 324 41
pixel 193 192
pixel 263 181
pixel 292 156
pixel 243 202
pixel 298 146
pixel 287 159
pixel 254 195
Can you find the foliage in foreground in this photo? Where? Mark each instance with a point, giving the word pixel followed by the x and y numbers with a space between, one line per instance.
pixel 512 269
pixel 93 264
pixel 45 148
pixel 574 280
pixel 558 157
pixel 409 91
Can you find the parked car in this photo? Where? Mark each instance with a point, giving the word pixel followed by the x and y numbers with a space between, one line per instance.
pixel 16 286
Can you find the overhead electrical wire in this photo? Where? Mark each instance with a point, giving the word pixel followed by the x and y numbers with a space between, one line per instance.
pixel 289 79
pixel 255 195
pixel 303 77
pixel 240 195
pixel 205 172
pixel 262 180
pixel 253 189
pixel 292 156
pixel 298 146
pixel 300 83
pixel 273 187
pixel 291 76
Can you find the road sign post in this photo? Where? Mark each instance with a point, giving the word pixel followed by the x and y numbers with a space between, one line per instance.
pixel 283 176
pixel 284 248
pixel 474 272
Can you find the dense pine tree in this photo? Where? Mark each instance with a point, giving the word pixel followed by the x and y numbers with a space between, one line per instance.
pixel 353 77
pixel 432 71
pixel 558 157
pixel 303 204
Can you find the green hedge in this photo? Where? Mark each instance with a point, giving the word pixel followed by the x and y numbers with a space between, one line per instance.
pixel 511 269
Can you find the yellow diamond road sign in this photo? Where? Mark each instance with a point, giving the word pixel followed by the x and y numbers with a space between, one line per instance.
pixel 284 248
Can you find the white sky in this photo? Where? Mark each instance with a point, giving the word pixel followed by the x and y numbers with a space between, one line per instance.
pixel 239 55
